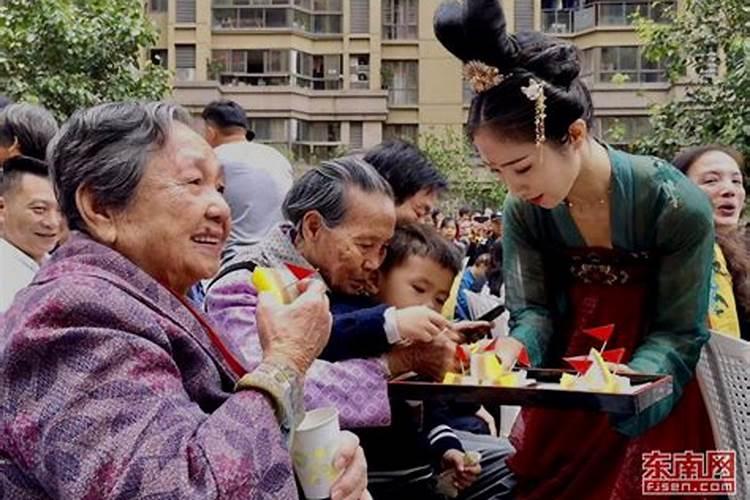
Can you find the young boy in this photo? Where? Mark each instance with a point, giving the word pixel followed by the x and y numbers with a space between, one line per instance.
pixel 419 270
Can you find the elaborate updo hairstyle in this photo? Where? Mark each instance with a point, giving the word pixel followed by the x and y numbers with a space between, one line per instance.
pixel 476 31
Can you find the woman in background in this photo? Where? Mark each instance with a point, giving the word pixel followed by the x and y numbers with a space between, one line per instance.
pixel 717 170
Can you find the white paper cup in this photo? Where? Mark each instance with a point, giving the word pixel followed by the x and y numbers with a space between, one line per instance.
pixel 316 441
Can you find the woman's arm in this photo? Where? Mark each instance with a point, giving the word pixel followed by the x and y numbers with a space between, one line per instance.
pixel 525 289
pixel 678 330
pixel 357 387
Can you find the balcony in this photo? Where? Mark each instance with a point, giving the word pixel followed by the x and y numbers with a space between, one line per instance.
pixel 317 17
pixel 603 14
pixel 288 101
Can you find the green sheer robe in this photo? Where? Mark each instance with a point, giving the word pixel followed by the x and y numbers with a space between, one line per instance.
pixel 654 208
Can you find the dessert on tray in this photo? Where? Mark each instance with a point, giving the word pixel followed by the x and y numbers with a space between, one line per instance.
pixel 597 377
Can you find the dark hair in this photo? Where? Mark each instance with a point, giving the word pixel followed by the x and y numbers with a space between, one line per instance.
pixel 484 259
pixel 106 148
pixel 32 126
pixel 226 114
pixel 406 169
pixel 18 166
pixel 732 243
pixel 465 210
pixel 476 31
pixel 685 158
pixel 325 189
pixel 421 240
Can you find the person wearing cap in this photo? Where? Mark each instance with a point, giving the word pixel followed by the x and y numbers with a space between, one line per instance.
pixel 257 176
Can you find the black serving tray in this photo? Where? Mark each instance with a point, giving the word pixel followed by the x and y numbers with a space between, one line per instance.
pixel 649 390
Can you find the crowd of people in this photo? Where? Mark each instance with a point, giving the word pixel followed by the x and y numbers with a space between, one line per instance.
pixel 139 359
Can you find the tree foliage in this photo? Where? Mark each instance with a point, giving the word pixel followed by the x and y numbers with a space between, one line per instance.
pixel 69 54
pixel 707 47
pixel 470 184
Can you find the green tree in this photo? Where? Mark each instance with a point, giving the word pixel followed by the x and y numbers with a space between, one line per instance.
pixel 707 47
pixel 69 54
pixel 470 183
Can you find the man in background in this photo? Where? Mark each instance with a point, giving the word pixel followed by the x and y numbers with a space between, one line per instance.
pixel 32 221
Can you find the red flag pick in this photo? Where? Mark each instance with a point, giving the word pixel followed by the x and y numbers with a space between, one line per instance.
pixel 462 355
pixel 614 355
pixel 299 272
pixel 523 357
pixel 602 333
pixel 580 364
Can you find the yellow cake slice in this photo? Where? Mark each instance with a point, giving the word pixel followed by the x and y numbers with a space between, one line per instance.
pixel 277 282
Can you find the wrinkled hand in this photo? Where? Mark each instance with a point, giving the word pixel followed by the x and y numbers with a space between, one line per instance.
pixel 508 349
pixel 295 334
pixel 420 324
pixel 469 331
pixel 430 359
pixel 463 475
pixel 350 460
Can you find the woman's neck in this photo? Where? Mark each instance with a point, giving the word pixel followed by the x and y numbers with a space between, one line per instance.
pixel 594 179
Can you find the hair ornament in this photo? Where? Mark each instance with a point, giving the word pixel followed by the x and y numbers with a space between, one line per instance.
pixel 534 91
pixel 481 76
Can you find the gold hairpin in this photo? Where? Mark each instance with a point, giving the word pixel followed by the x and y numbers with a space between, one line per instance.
pixel 535 92
pixel 481 76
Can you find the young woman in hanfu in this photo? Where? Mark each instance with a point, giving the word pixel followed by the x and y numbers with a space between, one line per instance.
pixel 593 236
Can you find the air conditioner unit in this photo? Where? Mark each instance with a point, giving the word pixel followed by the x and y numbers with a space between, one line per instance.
pixel 185 74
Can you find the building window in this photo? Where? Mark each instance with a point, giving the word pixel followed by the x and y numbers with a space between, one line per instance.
pixel 316 141
pixel 400 19
pixel 270 130
pixel 622 130
pixel 160 57
pixel 468 93
pixel 567 16
pixel 359 71
pixel 319 132
pixel 311 16
pixel 158 5
pixel 185 62
pixel 185 11
pixel 318 72
pixel 250 67
pixel 401 78
pixel 627 64
pixel 360 16
pixel 356 135
pixel 401 131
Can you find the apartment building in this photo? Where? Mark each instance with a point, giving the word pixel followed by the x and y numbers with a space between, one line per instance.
pixel 320 76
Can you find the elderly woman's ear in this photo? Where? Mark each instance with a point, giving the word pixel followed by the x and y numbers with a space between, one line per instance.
pixel 312 223
pixel 99 219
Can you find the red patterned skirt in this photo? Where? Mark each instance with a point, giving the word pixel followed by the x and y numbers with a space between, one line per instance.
pixel 578 454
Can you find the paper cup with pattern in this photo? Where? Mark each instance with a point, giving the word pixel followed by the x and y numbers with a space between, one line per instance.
pixel 316 441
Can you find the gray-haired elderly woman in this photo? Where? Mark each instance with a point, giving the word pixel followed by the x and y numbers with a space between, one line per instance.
pixel 113 385
pixel 340 218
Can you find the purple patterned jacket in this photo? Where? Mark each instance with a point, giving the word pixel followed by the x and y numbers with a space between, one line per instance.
pixel 110 388
pixel 357 387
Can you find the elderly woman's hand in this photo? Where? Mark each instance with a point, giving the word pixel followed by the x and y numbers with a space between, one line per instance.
pixel 430 359
pixel 295 334
pixel 350 459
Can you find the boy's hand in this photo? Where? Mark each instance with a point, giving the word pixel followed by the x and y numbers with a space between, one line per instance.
pixel 465 471
pixel 468 331
pixel 420 324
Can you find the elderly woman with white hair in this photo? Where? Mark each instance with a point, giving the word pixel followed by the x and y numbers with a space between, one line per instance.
pixel 114 386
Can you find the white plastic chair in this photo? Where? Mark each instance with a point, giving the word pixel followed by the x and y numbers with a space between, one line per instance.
pixel 724 376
